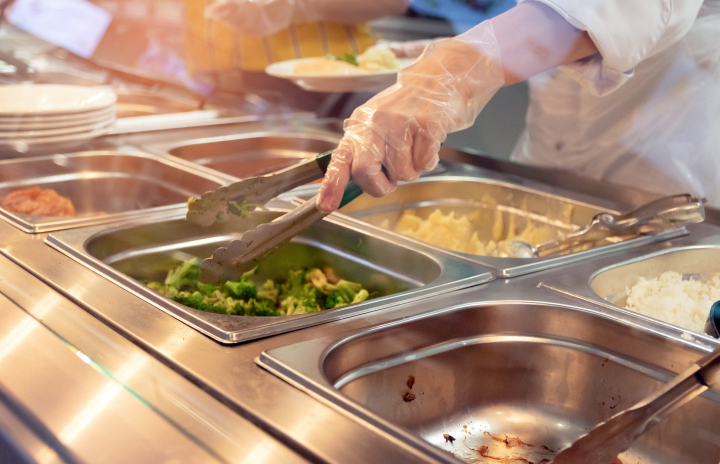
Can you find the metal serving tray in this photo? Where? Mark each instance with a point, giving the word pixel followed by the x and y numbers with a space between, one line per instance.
pixel 603 282
pixel 518 204
pixel 488 371
pixel 398 270
pixel 699 262
pixel 251 154
pixel 120 185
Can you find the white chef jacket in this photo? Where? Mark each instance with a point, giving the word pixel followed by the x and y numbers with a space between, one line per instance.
pixel 645 112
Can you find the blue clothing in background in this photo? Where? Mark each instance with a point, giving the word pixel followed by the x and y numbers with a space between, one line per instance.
pixel 462 14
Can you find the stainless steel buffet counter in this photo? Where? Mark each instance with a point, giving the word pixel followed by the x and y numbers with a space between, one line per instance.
pixel 73 390
pixel 538 351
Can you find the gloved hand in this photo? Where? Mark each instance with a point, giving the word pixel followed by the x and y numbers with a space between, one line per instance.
pixel 401 128
pixel 261 17
pixel 410 49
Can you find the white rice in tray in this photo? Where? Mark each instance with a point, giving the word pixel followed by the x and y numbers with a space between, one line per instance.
pixel 685 303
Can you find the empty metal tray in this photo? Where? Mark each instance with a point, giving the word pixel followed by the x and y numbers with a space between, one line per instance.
pixel 464 376
pixel 396 271
pixel 253 154
pixel 104 186
pixel 517 204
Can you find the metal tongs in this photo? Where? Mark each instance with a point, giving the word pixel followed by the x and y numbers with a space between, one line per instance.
pixel 240 198
pixel 603 444
pixel 666 213
pixel 244 196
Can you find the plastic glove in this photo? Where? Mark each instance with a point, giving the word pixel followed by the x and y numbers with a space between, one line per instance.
pixel 410 49
pixel 261 17
pixel 401 128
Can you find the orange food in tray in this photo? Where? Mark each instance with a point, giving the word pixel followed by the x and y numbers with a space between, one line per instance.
pixel 38 202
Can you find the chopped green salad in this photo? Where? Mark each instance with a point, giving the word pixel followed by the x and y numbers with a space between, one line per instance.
pixel 303 292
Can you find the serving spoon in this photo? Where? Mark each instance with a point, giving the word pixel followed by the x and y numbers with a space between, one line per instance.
pixel 666 213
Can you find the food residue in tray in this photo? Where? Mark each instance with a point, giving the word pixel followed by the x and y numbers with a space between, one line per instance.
pixel 302 292
pixel 410 381
pixel 38 202
pixel 483 446
pixel 675 300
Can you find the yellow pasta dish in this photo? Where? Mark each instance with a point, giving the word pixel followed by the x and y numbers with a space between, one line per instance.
pixel 461 233
pixel 372 61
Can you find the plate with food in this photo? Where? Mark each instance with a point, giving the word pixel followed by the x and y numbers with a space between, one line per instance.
pixel 372 71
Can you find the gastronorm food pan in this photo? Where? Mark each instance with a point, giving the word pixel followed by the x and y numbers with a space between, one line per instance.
pixel 397 270
pixel 516 204
pixel 700 263
pixel 522 379
pixel 604 282
pixel 104 186
pixel 611 283
pixel 252 154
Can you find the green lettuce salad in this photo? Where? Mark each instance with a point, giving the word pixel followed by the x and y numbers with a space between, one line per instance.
pixel 303 292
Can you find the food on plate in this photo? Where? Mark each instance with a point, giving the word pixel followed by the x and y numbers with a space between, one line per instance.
pixel 461 234
pixel 374 59
pixel 330 66
pixel 670 298
pixel 303 292
pixel 38 202
pixel 378 59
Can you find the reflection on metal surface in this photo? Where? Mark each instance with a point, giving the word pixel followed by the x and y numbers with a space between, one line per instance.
pixel 104 186
pixel 103 398
pixel 253 154
pixel 113 409
pixel 21 332
pixel 167 392
pixel 395 270
pixel 542 373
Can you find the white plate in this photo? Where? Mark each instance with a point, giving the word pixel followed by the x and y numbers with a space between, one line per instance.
pixel 41 141
pixel 31 134
pixel 369 82
pixel 53 123
pixel 52 99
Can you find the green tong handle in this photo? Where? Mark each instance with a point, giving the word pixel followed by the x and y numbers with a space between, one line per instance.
pixel 352 190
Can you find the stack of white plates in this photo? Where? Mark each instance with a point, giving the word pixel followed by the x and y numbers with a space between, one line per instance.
pixel 46 118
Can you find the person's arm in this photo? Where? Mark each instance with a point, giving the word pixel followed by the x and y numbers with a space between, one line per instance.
pixel 533 38
pixel 396 135
pixel 265 17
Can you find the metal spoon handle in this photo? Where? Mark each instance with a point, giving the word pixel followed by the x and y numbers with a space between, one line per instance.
pixel 665 213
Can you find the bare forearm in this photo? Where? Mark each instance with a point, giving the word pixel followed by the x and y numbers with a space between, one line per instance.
pixel 533 38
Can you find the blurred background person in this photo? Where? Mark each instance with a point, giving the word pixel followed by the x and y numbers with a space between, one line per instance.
pixel 234 40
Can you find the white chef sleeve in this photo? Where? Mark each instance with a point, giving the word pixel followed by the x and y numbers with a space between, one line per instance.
pixel 625 32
